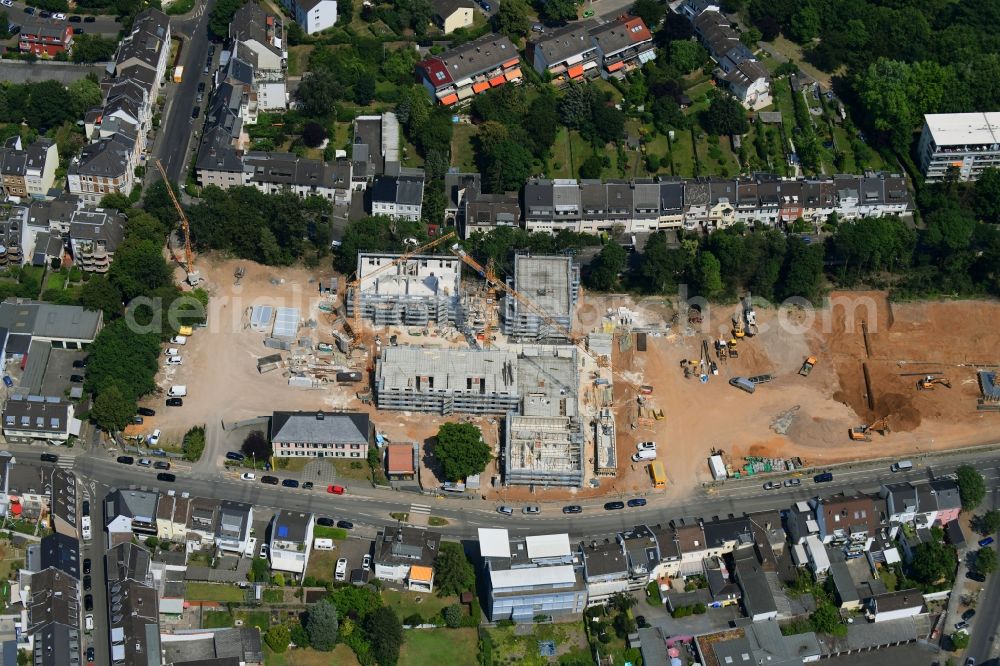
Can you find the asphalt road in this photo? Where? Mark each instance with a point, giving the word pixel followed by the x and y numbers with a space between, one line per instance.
pixel 985 625
pixel 103 24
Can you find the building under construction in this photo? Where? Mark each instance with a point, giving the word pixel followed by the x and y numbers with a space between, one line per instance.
pixel 552 284
pixel 545 439
pixel 447 381
pixel 415 292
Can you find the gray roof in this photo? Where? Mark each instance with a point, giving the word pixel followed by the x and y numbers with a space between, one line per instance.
pixel 566 42
pixel 250 22
pixel 406 545
pixel 320 427
pixel 290 526
pixel 478 56
pixel 445 8
pixel 107 157
pixel 37 415
pixel 216 152
pixel 45 320
pixel 63 495
pixel 604 559
pixel 945 494
pixel 757 596
pixel 457 185
pixel 103 226
pixel 234 519
pixel 42 27
pixel 60 552
pixel 136 504
pixel 847 591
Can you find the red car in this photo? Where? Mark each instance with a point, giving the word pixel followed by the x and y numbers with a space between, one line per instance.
pixel 335 490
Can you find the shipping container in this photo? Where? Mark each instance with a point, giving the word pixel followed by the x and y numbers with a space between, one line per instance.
pixel 640 342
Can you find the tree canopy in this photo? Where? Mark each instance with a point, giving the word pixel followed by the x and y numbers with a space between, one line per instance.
pixel 322 625
pixel 453 573
pixel 257 445
pixel 385 632
pixel 461 451
pixel 971 486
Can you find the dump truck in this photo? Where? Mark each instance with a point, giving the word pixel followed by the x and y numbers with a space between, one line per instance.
pixel 807 366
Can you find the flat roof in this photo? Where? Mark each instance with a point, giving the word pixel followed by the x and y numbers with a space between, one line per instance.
pixel 286 323
pixel 547 545
pixel 546 281
pixel 494 542
pixel 420 276
pixel 448 369
pixel 950 129
pixel 533 576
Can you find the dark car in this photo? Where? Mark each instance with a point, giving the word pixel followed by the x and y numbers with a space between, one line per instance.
pixel 45 14
pixel 976 576
pixel 345 524
pixel 146 411
pixel 86 507
pixel 87 583
pixel 637 502
pixel 166 476
pixel 126 460
pixel 88 602
pixel 201 86
pixel 969 614
pixel 78 31
pixel 161 464
pixel 80 363
pixel 308 485
pixel 29 10
pixel 86 565
pixel 325 522
pixel 988 541
pixel 175 402
pixel 573 508
pixel 49 457
pixel 90 654
pixel 89 19
pixel 195 112
pixel 75 19
pixel 138 420
pixel 76 379
pixel 269 480
pixel 640 621
pixel 614 506
pixel 290 483
pixel 233 455
pixel 825 477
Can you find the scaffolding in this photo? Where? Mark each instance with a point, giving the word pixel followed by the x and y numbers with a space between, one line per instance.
pixel 606 460
pixel 544 450
pixel 553 284
pixel 417 291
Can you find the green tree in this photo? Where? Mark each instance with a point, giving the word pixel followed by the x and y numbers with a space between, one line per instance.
pixel 112 411
pixel 194 443
pixel 806 24
pixel 960 640
pixel 511 19
pixel 949 229
pixel 453 573
pixel 557 11
pixel 803 269
pixel 989 522
pixel 85 93
pixel 987 199
pixel 661 268
pixel 592 167
pixel 322 625
pixel 139 268
pixel 125 359
pixel 603 271
pixel 708 275
pixel 93 48
pixel 608 124
pixel 259 572
pixel 826 620
pixel 49 105
pixel 687 55
pixel 508 165
pixel 385 632
pixel 622 602
pixel 724 115
pixel 356 603
pixel 299 636
pixel 986 561
pixel 971 486
pixel 461 451
pixel 221 16
pixel 932 562
pixel 278 637
pixel 650 11
pixel 319 91
pixel 543 118
pixel 453 616
pixel 98 293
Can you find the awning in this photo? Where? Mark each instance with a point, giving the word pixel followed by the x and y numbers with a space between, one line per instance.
pixel 576 71
pixel 15 509
pixel 512 62
pixel 421 573
pixel 497 81
pixel 449 99
pixel 616 66
pixel 465 93
pixel 513 74
pixel 480 87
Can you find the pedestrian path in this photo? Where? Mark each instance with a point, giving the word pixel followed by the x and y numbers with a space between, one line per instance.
pixel 419 514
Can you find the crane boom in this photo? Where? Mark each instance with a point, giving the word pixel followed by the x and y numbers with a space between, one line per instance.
pixel 185 228
pixel 355 285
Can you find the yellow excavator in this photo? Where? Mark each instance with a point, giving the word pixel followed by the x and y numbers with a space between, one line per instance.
pixel 930 381
pixel 738 330
pixel 863 433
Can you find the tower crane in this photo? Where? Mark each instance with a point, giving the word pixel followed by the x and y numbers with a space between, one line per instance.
pixel 193 277
pixel 355 284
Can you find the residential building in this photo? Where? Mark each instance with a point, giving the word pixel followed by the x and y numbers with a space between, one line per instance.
pixel 28 419
pixel 28 490
pixel 525 577
pixel 138 507
pixel 553 285
pixel 258 37
pixel 167 570
pixel 447 380
pixel 605 569
pixel 895 605
pixel 726 535
pixel 485 212
pixel 450 15
pixel 843 586
pixel 690 539
pixel 402 461
pixel 738 69
pixel 202 521
pixel 691 9
pixel 405 555
pixel 750 82
pixel 52 603
pixel 7 462
pixel 399 195
pixel 13 169
pixel 757 598
pixel 817 557
pixel 320 434
pixel 44 36
pixel 457 186
pixel 63 503
pixel 414 292
pixel 760 643
pixel 643 554
pixel 94 237
pixel 959 145
pixel 312 15
pixel 375 147
pixel 847 517
pixel 455 76
pixel 103 167
pixel 291 541
pixel 232 532
pixel 568 54
pixel 947 502
pixel 55 551
pixel 623 44
pixel 133 607
pixel 172 515
pixel 214 647
pixel 277 173
pixel 670 552
pixel 28 172
pixel 723 591
pixel 901 502
pixel 147 45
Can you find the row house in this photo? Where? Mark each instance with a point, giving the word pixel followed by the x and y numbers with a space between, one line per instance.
pixel 27 172
pixel 605 569
pixel 28 419
pixel 624 44
pixel 399 195
pixel 374 148
pixel 455 76
pixel 172 514
pixel 277 173
pixel 95 235
pixel 44 36
pixel 927 504
pixel 258 39
pixel 312 15
pixel 588 49
pixel 738 69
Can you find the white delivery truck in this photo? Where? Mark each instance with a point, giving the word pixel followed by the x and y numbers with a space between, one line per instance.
pixel 178 391
pixel 647 454
pixel 901 466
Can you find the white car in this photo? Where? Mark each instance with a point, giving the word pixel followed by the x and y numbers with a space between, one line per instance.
pixel 174 360
pixel 7 3
pixel 86 528
pixel 59 16
pixel 366 562
pixel 179 340
pixel 88 623
pixel 263 550
pixel 173 351
pixel 646 446
pixel 248 476
pixel 154 438
pixel 341 571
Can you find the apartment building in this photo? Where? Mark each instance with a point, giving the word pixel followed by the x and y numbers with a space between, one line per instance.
pixel 568 54
pixel 291 541
pixel 133 607
pixel 232 531
pixel 28 419
pixel 312 15
pixel 105 166
pixel 959 145
pixel 450 15
pixel 51 599
pixel 321 434
pixel 147 45
pixel 136 507
pixel 406 555
pixel 847 518
pixel 277 173
pixel 374 148
pixel 28 172
pixel 457 75
pixel 422 289
pixel 95 235
pixel 63 499
pixel 623 44
pixel 44 37
pixel 399 195
pixel 738 68
pixel 553 284
pixel 529 576
pixel 605 569
pixel 258 38
pixel 172 515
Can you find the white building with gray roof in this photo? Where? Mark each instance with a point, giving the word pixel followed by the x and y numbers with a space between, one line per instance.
pixel 291 541
pixel 415 292
pixel 320 434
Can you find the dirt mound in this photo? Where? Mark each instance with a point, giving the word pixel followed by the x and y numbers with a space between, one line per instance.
pixel 899 409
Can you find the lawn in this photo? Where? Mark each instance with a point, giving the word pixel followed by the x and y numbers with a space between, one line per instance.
pixel 561 164
pixel 324 532
pixel 407 603
pixel 9 556
pixel 179 7
pixel 214 592
pixel 345 470
pixel 341 656
pixel 298 59
pixel 322 563
pixel 455 647
pixel 523 649
pixel 259 619
pixel 463 155
pixel 682 154
pixel 216 619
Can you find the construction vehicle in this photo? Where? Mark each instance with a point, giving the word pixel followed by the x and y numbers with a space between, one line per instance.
pixel 863 433
pixel 733 351
pixel 749 316
pixel 355 284
pixel 807 366
pixel 193 277
pixel 738 330
pixel 928 382
pixel 694 314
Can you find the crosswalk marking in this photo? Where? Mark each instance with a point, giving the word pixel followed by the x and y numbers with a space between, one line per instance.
pixel 420 508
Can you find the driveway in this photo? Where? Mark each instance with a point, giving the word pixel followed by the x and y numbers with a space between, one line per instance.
pixel 715 619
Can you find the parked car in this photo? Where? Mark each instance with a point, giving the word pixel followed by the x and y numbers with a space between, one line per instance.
pixel 505 510
pixel 145 462
pixel 146 411
pixel 161 464
pixel 88 622
pixel 89 19
pixel 88 603
pixel 269 480
pixel 29 10
pixel 90 654
pixel 308 485
pixel 126 460
pixel 961 625
pixel 196 111
pixel 248 476
pixel 172 351
pixel 8 382
pixel 182 339
pixel 166 476
pixel 825 477
pixel 290 483
pixel 138 420
pixel 234 455
pixel 44 14
pixel 263 550
pixel 80 363
pixel 49 457
pixel 791 483
pixel 646 446
pixel 75 19
pixel 174 360
pixel 325 521
pixel 614 506
pixel 340 573
pixel 175 402
pixel 59 16
pixel 572 508
pixel 969 614
pixel 772 485
pixel 85 508
pixel 87 583
pixel 638 501
pixel 986 542
pixel 154 438
pixel 366 562
pixel 86 565
pixel 345 524
pixel 335 490
pixel 7 3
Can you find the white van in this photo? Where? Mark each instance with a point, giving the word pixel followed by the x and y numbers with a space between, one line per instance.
pixel 341 572
pixel 646 454
pixel 85 528
pixel 178 391
pixel 251 547
pixel 323 544
pixel 901 466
